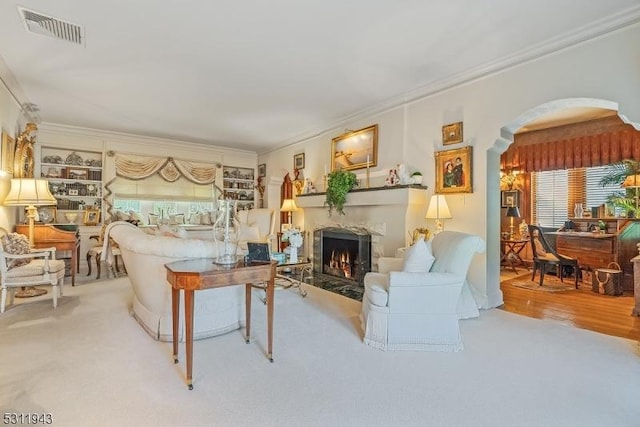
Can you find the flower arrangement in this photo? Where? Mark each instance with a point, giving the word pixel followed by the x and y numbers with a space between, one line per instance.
pixel 293 236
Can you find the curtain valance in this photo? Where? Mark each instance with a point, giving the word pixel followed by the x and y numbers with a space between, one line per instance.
pixel 584 151
pixel 140 167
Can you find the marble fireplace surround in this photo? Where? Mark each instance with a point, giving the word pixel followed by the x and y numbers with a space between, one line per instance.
pixel 388 213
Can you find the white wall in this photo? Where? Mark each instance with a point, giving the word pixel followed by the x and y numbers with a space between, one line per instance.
pixel 606 68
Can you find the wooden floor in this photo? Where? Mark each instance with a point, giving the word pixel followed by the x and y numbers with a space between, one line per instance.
pixel 580 308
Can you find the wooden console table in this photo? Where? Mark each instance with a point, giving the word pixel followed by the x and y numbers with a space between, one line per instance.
pixel 60 237
pixel 196 274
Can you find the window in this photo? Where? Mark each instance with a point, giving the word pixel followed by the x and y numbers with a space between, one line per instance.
pixel 554 193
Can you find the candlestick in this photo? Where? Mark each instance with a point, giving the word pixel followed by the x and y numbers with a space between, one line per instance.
pixel 367 171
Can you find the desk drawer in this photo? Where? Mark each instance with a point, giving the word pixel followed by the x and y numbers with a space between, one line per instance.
pixel 585 244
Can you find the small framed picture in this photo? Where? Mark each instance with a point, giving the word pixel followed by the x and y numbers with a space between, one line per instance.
pixel 47 214
pixel 77 173
pixel 91 217
pixel 452 133
pixel 510 198
pixel 262 170
pixel 298 161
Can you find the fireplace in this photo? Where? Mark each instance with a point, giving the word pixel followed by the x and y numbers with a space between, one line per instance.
pixel 342 253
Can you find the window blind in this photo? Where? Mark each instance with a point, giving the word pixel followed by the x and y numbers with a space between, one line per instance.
pixel 550 198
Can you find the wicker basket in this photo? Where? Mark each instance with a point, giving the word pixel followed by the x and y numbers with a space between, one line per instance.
pixel 608 280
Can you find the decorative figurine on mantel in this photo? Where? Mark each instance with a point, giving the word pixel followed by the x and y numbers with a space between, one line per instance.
pixel 392 179
pixel 403 175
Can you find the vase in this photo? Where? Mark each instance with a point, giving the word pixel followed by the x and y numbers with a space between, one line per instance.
pixel 293 254
pixel 225 233
pixel 578 210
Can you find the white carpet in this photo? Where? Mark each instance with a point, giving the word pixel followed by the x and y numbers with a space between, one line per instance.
pixel 88 363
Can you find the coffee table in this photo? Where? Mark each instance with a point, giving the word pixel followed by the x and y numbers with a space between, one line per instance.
pixel 293 275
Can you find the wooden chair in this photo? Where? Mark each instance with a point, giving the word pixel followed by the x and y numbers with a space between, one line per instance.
pixel 96 253
pixel 33 267
pixel 545 255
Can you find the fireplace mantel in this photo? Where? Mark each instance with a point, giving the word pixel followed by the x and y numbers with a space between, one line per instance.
pixel 393 212
pixel 378 196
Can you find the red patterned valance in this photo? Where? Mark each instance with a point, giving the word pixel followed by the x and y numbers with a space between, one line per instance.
pixel 584 151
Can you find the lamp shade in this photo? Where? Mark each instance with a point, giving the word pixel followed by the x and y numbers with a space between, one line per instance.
pixel 632 181
pixel 29 192
pixel 288 205
pixel 513 212
pixel 438 208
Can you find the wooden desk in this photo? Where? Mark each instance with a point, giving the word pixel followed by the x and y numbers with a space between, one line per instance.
pixel 196 274
pixel 48 235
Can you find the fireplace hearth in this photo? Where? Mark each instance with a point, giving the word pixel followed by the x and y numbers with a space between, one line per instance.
pixel 342 253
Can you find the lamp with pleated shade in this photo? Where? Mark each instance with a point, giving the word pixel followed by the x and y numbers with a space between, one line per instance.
pixel 438 210
pixel 30 192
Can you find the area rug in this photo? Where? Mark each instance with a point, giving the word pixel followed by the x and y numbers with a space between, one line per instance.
pixel 551 284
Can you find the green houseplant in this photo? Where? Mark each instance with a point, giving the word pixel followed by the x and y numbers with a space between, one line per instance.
pixel 417 177
pixel 627 174
pixel 339 183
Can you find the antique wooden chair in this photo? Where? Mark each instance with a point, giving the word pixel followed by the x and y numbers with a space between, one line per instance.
pixel 544 255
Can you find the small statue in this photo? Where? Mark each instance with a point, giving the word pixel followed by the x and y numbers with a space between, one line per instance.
pixel 403 175
pixel 392 179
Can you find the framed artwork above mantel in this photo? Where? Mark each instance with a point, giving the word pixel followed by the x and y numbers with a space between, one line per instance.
pixel 355 149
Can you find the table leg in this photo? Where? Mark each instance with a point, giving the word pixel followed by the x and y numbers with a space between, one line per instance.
pixel 247 309
pixel 188 326
pixel 270 296
pixel 75 262
pixel 175 311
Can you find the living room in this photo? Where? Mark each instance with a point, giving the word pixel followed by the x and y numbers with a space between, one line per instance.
pixel 493 102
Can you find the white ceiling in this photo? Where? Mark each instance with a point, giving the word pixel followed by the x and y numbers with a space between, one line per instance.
pixel 261 74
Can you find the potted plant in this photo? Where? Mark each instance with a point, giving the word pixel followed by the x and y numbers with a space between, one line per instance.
pixel 625 173
pixel 339 183
pixel 417 177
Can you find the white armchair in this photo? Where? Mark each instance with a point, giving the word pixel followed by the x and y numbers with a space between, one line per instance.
pixel 411 305
pixel 21 266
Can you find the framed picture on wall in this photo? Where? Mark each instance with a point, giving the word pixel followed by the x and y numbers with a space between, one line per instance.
pixel 262 170
pixel 298 161
pixel 454 171
pixel 7 153
pixel 355 150
pixel 452 133
pixel 510 198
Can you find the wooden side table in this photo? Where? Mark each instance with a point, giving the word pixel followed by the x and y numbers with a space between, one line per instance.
pixel 511 252
pixel 196 274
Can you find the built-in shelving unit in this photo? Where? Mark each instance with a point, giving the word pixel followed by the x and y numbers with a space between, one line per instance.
pixel 239 184
pixel 75 179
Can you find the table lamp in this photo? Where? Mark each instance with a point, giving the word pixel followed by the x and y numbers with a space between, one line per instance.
pixel 512 212
pixel 30 192
pixel 288 205
pixel 632 181
pixel 438 209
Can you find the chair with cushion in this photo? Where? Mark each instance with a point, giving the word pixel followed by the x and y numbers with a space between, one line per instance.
pixel 95 253
pixel 415 303
pixel 544 255
pixel 256 225
pixel 21 266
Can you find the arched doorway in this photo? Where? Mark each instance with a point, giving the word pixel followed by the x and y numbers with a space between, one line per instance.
pixel 556 113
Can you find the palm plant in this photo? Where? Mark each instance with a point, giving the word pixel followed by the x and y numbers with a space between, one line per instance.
pixel 617 174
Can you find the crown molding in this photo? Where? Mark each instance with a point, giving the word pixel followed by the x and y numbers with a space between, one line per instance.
pixel 593 31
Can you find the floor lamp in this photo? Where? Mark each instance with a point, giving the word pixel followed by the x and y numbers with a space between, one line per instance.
pixel 438 210
pixel 30 192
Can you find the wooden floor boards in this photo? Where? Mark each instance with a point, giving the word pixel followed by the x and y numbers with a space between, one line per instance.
pixel 581 308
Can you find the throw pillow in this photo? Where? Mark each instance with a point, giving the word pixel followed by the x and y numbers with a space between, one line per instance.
pixel 16 244
pixel 418 258
pixel 195 218
pixel 248 233
pixel 153 219
pixel 176 219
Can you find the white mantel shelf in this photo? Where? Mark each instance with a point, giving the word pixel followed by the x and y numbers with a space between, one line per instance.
pixel 378 196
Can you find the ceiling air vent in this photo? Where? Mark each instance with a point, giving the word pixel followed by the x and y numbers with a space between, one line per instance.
pixel 52 27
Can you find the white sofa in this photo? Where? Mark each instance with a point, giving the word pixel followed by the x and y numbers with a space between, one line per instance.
pixel 217 311
pixel 409 307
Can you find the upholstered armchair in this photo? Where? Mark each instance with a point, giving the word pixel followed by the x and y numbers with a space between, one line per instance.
pixel 22 266
pixel 415 303
pixel 256 225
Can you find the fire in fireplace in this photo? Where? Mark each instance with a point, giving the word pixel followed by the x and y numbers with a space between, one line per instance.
pixel 342 253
